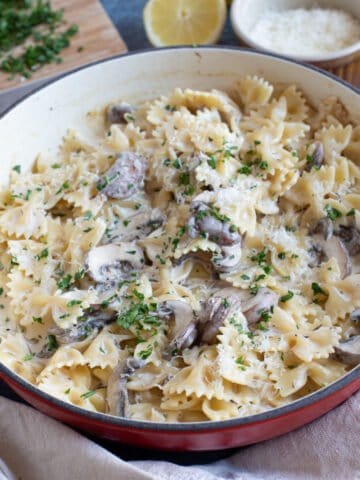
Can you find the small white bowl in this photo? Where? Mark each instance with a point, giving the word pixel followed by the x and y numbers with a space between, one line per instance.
pixel 245 13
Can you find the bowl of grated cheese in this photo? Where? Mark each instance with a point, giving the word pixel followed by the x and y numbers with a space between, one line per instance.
pixel 325 32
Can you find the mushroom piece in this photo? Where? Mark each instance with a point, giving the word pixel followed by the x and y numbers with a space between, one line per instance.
pixel 141 225
pixel 315 156
pixel 334 247
pixel 227 301
pixel 199 257
pixel 125 177
pixel 355 316
pixel 117 397
pixel 217 308
pixel 111 263
pixel 228 259
pixel 326 245
pixel 203 222
pixel 350 236
pixel 184 331
pixel 94 320
pixel 117 112
pixel 325 227
pixel 253 306
pixel 348 351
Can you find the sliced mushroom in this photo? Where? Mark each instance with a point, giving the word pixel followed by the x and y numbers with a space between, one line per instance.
pixel 324 227
pixel 227 301
pixel 253 306
pixel 117 397
pixel 184 331
pixel 118 112
pixel 348 351
pixel 326 245
pixel 350 236
pixel 125 177
pixel 228 260
pixel 198 257
pixel 315 156
pixel 111 263
pixel 203 222
pixel 217 308
pixel 88 326
pixel 355 316
pixel 334 247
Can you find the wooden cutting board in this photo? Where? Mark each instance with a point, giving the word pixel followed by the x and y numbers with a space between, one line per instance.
pixel 97 38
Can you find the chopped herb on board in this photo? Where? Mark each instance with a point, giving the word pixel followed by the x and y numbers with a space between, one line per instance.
pixel 38 30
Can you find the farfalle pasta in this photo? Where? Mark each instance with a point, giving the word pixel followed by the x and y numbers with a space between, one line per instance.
pixel 196 258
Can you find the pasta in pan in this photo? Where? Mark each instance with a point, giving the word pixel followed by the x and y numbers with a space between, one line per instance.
pixel 199 260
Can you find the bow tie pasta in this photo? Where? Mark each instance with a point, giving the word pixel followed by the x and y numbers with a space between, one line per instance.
pixel 198 259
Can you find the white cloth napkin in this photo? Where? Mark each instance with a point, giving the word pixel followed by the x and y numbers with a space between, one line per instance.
pixel 35 447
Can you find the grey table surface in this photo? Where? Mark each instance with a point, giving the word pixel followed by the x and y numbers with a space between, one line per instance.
pixel 127 17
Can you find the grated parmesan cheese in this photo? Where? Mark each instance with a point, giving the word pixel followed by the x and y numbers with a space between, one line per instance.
pixel 306 32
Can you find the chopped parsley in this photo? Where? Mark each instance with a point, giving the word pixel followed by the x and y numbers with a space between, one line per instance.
pixel 287 297
pixel 14 261
pixel 43 254
pixel 281 255
pixel 351 213
pixel 65 282
pixel 240 363
pixel 263 165
pixel 245 277
pixel 17 168
pixel 332 213
pixel 212 162
pixel 144 354
pixel 28 357
pixel 317 289
pixel 184 178
pixel 44 49
pixel 88 394
pixel 52 343
pixel 105 181
pixel 138 314
pixel 64 186
pixel 38 320
pixel 79 275
pixel 225 302
pixel 177 163
pixel 73 303
pixel 245 170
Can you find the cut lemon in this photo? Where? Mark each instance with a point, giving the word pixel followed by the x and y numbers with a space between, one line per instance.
pixel 184 22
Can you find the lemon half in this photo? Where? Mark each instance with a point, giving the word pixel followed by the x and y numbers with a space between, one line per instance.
pixel 184 22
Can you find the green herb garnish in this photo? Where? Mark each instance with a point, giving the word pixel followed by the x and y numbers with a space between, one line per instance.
pixel 332 213
pixel 287 297
pixel 43 254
